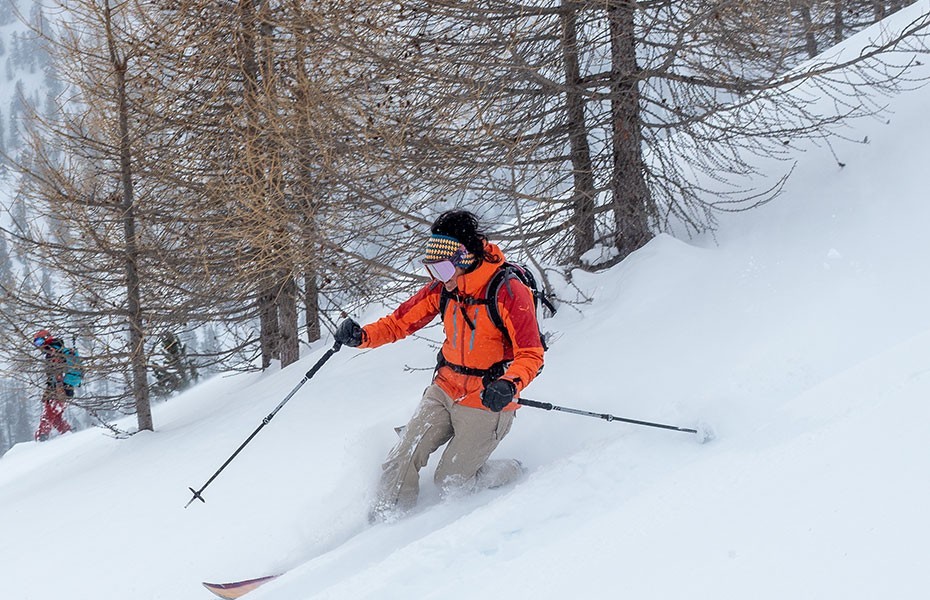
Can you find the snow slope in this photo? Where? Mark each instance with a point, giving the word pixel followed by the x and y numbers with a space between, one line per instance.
pixel 802 334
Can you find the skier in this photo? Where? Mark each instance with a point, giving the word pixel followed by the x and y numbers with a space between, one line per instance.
pixel 480 372
pixel 57 391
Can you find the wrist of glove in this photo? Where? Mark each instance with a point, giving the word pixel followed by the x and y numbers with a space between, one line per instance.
pixel 498 394
pixel 350 333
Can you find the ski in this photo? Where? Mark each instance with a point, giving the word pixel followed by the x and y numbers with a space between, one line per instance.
pixel 237 589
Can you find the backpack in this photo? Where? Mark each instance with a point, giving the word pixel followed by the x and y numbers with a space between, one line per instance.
pixel 504 274
pixel 74 376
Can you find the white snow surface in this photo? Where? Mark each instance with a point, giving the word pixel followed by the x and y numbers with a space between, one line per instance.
pixel 801 333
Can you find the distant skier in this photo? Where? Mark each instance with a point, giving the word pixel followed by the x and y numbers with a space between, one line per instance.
pixel 480 372
pixel 57 391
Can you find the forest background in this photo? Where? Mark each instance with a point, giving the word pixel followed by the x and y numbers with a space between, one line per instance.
pixel 193 186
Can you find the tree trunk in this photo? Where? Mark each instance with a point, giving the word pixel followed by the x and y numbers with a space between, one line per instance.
pixel 310 194
pixel 269 335
pixel 137 360
pixel 582 221
pixel 810 40
pixel 838 25
pixel 632 203
pixel 289 341
pixel 312 304
pixel 256 168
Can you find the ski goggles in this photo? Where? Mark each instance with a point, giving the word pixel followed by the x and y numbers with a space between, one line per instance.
pixel 443 255
pixel 442 271
pixel 39 342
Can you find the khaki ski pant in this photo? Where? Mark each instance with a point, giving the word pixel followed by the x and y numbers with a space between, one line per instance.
pixel 472 435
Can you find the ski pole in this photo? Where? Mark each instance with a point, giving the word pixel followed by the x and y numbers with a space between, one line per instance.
pixel 265 421
pixel 704 434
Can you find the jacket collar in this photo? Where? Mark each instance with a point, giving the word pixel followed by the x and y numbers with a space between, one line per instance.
pixel 474 282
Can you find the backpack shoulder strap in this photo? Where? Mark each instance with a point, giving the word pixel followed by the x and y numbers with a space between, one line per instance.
pixel 489 299
pixel 444 296
pixel 503 275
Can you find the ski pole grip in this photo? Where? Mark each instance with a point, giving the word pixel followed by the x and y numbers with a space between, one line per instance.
pixel 323 359
pixel 534 404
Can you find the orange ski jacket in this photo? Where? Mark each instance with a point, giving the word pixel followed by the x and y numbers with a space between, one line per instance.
pixel 480 347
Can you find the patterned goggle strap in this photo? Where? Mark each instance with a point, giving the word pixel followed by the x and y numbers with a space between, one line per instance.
pixel 444 248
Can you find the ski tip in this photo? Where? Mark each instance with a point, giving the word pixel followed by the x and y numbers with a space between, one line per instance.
pixel 704 433
pixel 237 589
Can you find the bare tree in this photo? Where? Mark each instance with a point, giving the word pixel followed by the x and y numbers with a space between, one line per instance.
pixel 668 101
pixel 225 163
pixel 96 219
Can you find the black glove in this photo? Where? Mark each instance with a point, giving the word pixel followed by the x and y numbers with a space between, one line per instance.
pixel 498 394
pixel 349 333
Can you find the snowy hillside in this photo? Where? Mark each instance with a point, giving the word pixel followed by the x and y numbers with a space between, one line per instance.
pixel 801 333
pixel 24 69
